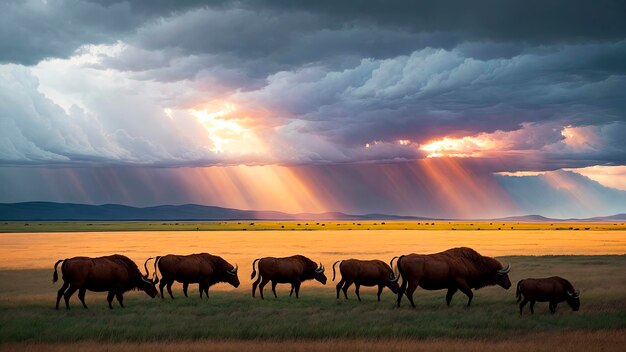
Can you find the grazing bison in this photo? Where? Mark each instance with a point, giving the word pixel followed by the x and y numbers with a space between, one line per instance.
pixel 552 289
pixel 115 274
pixel 455 269
pixel 202 268
pixel 365 273
pixel 290 270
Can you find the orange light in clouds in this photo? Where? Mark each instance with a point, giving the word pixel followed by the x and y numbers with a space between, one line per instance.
pixel 226 131
pixel 458 147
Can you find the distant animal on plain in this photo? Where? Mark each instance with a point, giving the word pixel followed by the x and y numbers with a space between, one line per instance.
pixel 114 274
pixel 454 269
pixel 553 289
pixel 201 268
pixel 289 270
pixel 365 273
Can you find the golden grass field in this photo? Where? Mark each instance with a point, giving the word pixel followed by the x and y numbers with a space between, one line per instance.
pixel 594 260
pixel 303 225
pixel 41 250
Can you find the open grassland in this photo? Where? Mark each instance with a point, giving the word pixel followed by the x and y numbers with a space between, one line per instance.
pixel 232 320
pixel 27 313
pixel 613 340
pixel 303 225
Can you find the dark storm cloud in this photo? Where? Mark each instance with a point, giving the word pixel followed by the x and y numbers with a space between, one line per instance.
pixel 36 29
pixel 332 76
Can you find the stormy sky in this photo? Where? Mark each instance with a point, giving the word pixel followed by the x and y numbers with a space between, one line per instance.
pixel 515 92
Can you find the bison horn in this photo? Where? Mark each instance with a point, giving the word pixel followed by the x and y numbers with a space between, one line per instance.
pixel 393 278
pixel 573 294
pixel 320 269
pixel 234 271
pixel 147 281
pixel 505 270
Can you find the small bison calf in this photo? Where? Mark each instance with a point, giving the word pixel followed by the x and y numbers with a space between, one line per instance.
pixel 552 289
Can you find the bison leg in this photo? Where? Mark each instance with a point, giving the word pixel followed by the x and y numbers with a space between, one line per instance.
pixel 401 291
pixel 380 291
pixel 81 296
pixel 120 298
pixel 61 292
pixel 255 284
pixel 291 293
pixel 356 290
pixel 169 288
pixel 161 285
pixel 553 307
pixel 521 305
pixel 345 288
pixel 70 291
pixel 341 282
pixel 261 286
pixel 462 285
pixel 185 287
pixel 204 288
pixel 110 299
pixel 412 286
pixel 532 307
pixel 297 287
pixel 274 288
pixel 451 292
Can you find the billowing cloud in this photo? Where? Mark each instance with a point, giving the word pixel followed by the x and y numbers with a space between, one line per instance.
pixel 530 86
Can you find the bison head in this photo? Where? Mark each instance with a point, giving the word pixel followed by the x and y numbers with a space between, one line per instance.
pixel 231 276
pixel 147 286
pixel 502 277
pixel 573 299
pixel 319 274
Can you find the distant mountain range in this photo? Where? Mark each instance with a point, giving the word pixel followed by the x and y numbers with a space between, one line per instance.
pixel 49 211
pixel 539 218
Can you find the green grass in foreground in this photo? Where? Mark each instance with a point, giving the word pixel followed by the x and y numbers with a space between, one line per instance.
pixel 307 225
pixel 27 314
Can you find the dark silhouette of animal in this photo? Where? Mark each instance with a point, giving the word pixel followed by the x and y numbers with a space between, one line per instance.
pixel 114 274
pixel 552 289
pixel 201 268
pixel 455 269
pixel 365 273
pixel 290 270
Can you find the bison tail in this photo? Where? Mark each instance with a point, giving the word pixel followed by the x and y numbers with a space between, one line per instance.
pixel 339 261
pixel 253 269
pixel 156 261
pixel 55 276
pixel 404 280
pixel 518 291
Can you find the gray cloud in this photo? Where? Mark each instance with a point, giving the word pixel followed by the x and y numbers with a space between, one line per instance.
pixel 331 77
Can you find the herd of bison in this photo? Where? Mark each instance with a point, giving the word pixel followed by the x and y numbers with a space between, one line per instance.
pixel 461 269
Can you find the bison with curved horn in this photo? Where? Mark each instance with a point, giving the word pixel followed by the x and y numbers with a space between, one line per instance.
pixel 365 273
pixel 455 269
pixel 201 268
pixel 290 270
pixel 114 274
pixel 552 289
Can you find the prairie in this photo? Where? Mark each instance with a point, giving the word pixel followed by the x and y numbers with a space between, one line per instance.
pixel 232 320
pixel 303 225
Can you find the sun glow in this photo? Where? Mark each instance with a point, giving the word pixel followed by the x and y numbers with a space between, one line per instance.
pixel 226 131
pixel 457 147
